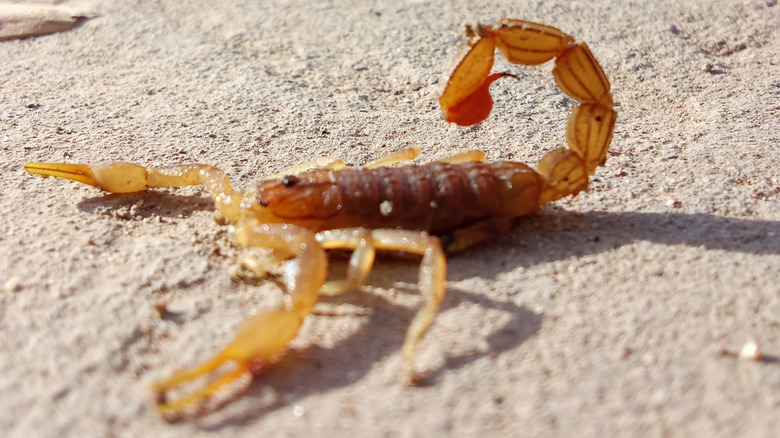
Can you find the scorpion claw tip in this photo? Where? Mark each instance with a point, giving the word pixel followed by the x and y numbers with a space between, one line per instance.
pixel 75 172
pixel 116 177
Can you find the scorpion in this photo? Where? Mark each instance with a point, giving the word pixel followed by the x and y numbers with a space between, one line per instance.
pixel 427 210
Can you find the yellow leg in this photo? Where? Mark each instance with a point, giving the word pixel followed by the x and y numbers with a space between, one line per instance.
pixel 265 335
pixel 337 164
pixel 465 157
pixel 401 156
pixel 433 274
pixel 476 233
pixel 319 163
pixel 360 241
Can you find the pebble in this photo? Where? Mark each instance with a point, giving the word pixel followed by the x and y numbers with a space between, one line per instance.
pixel 12 285
pixel 750 351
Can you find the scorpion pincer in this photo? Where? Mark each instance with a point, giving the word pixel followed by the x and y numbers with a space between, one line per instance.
pixel 430 209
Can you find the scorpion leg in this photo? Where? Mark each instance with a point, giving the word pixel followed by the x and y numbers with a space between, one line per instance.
pixel 476 233
pixel 407 154
pixel 319 163
pixel 264 335
pixel 337 164
pixel 433 274
pixel 364 251
pixel 464 157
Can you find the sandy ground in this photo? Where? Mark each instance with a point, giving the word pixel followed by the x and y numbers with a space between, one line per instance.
pixel 616 313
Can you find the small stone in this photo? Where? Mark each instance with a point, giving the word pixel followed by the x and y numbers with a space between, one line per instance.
pixel 750 351
pixel 12 285
pixel 161 308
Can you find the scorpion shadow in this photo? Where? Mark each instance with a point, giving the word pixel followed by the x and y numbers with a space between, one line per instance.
pixel 556 234
pixel 155 203
pixel 315 369
pixel 553 234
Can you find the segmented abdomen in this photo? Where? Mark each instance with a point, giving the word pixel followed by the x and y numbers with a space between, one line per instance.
pixel 437 197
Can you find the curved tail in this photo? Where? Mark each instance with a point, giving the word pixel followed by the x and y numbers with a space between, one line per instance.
pixel 465 99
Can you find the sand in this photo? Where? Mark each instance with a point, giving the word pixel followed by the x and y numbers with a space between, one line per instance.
pixel 619 312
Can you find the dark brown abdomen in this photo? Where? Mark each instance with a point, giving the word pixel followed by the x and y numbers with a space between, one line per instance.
pixel 438 197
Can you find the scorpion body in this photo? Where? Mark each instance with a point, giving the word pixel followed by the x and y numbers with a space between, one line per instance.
pixel 417 197
pixel 323 206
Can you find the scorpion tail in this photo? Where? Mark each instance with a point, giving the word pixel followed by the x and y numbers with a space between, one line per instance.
pixel 475 107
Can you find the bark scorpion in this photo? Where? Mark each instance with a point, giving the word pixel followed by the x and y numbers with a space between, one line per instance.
pixel 429 210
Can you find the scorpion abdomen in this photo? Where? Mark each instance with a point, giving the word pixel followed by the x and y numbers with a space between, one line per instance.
pixel 438 197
